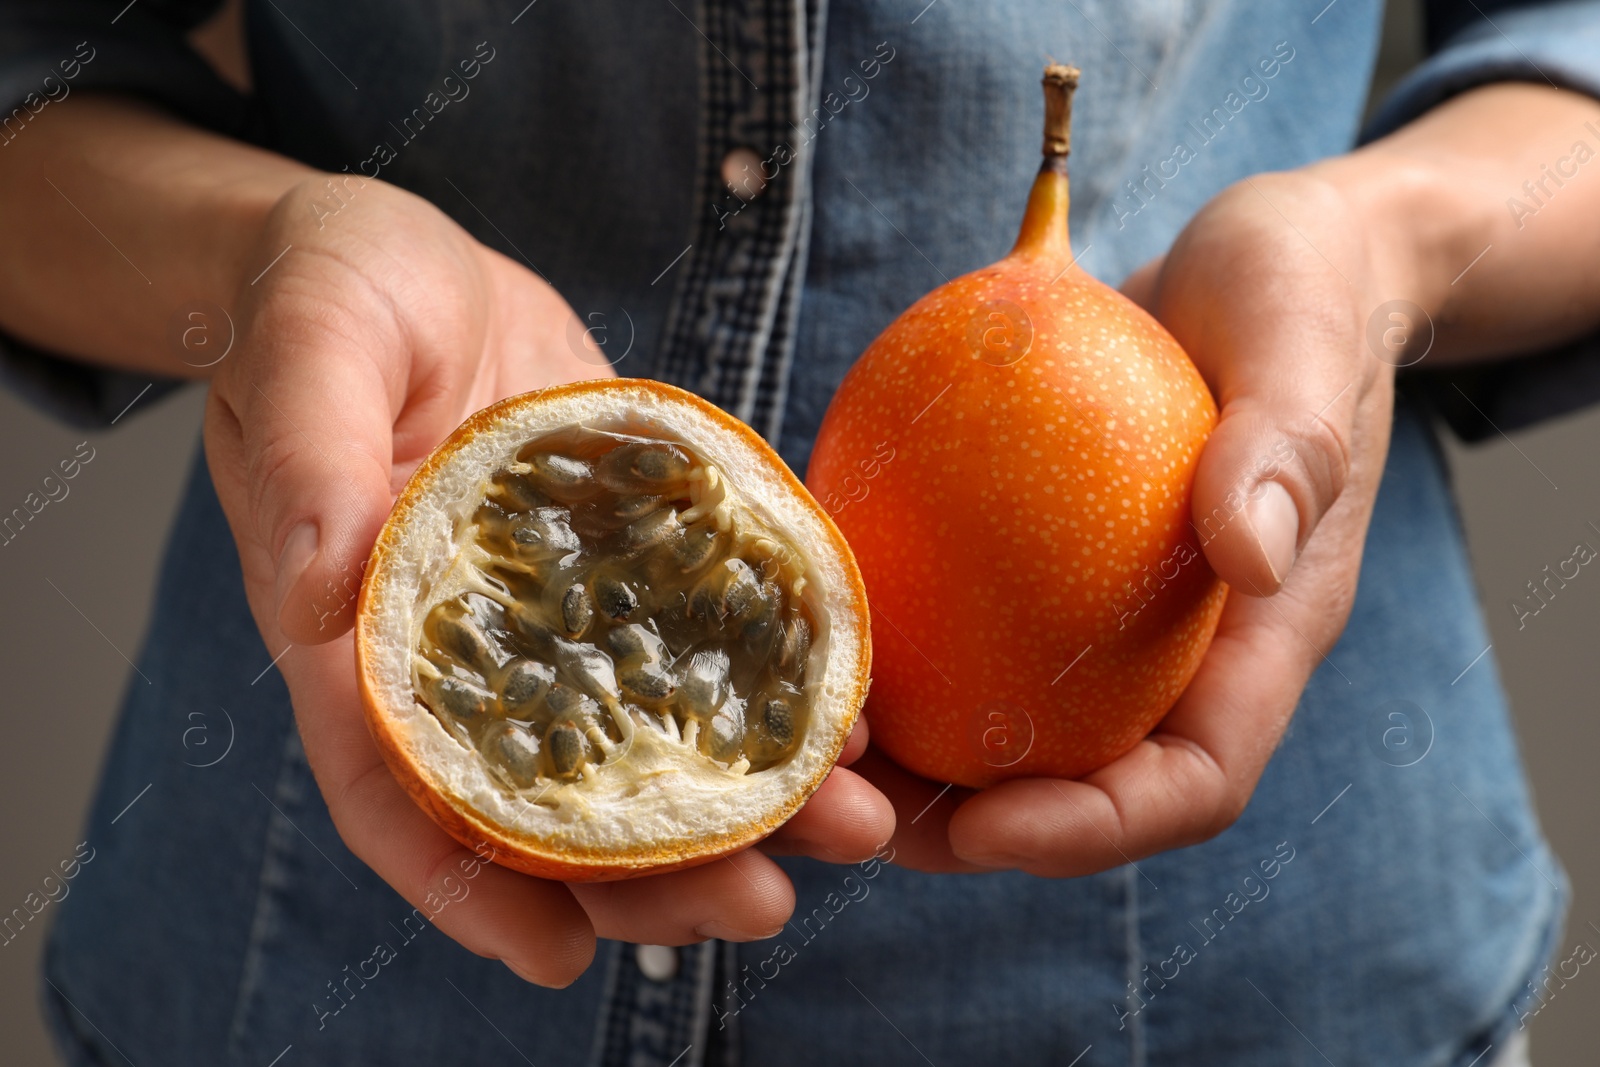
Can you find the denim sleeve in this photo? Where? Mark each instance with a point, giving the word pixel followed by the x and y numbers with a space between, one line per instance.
pixel 51 49
pixel 1472 43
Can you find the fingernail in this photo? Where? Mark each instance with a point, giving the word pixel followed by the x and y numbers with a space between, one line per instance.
pixel 1276 522
pixel 298 549
pixel 819 851
pixel 520 973
pixel 723 932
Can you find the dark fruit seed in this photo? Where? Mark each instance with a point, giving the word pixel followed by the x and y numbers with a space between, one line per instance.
pixel 643 466
pixel 530 625
pixel 650 530
pixel 460 637
pixel 705 601
pixel 554 472
pixel 598 583
pixel 492 519
pixel 723 738
pixel 698 547
pixel 626 641
pixel 515 491
pixel 630 508
pixel 795 647
pixel 617 600
pixel 461 699
pixel 485 612
pixel 779 720
pixel 705 682
pixel 545 533
pixel 742 595
pixel 761 619
pixel 649 682
pixel 731 589
pixel 567 748
pixel 525 682
pixel 661 464
pixel 576 611
pixel 514 750
pixel 563 699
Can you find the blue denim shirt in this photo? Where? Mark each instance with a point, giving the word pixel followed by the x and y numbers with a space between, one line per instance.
pixel 1386 897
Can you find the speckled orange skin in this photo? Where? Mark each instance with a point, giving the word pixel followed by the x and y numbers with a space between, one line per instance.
pixel 1008 517
pixel 557 860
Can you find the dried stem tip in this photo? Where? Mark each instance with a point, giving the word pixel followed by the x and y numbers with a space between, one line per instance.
pixel 1059 83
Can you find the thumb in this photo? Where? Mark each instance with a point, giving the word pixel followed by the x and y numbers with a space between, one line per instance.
pixel 300 446
pixel 1275 464
pixel 1143 284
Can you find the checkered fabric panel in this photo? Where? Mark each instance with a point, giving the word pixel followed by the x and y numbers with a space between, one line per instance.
pixel 730 335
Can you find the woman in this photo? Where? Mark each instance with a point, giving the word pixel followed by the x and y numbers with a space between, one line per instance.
pixel 379 220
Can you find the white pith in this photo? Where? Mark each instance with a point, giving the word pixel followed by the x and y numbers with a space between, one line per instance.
pixel 654 792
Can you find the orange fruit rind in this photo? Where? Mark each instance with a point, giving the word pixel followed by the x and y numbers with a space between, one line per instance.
pixel 644 794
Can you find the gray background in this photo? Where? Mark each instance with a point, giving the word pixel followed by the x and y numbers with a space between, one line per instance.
pixel 64 644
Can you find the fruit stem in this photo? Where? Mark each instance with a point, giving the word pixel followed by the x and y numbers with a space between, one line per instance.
pixel 1060 82
pixel 1044 223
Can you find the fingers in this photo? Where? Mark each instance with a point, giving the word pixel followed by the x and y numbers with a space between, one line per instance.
pixel 847 820
pixel 544 931
pixel 1282 495
pixel 1063 829
pixel 1140 286
pixel 743 897
pixel 299 440
pixel 1184 784
pixel 357 350
pixel 857 744
pixel 1273 326
pixel 746 897
pixel 1190 779
pixel 551 343
pixel 1276 463
pixel 922 815
pixel 535 926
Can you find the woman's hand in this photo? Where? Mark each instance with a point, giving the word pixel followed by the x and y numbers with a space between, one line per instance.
pixel 1297 294
pixel 368 326
pixel 1269 289
pixel 380 328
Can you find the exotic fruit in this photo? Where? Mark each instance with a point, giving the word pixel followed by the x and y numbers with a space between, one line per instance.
pixel 606 632
pixel 1011 461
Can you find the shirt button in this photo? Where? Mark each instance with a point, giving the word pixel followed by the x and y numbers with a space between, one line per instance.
pixel 741 172
pixel 658 962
